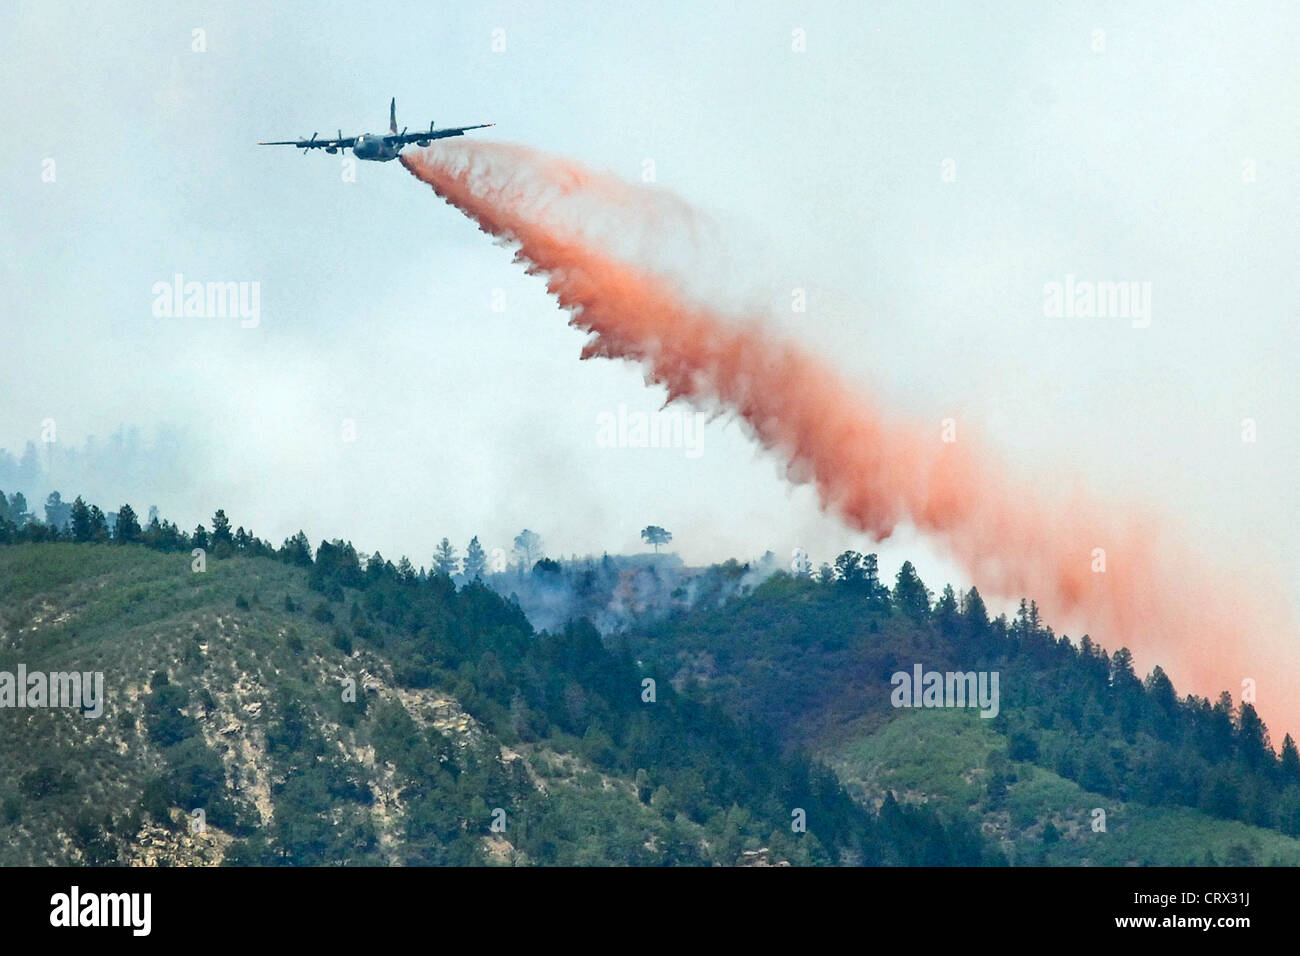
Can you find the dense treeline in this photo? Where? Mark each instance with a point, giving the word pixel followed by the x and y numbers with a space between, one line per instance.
pixel 82 522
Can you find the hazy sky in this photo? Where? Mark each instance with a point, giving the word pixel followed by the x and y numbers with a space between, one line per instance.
pixel 922 173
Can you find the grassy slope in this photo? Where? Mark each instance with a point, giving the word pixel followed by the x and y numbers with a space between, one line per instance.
pixel 944 756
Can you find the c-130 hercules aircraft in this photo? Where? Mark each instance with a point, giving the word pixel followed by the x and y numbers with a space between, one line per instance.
pixel 378 147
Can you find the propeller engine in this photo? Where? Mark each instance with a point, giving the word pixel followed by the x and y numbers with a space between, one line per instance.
pixel 334 149
pixel 310 143
pixel 425 142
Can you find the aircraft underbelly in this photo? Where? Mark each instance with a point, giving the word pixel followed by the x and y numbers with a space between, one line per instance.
pixel 376 155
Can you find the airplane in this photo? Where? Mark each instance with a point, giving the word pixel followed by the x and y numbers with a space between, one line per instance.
pixel 378 147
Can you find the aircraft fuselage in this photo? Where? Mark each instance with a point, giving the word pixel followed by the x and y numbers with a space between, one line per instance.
pixel 375 147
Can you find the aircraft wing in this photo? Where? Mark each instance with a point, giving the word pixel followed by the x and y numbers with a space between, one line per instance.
pixel 428 134
pixel 314 143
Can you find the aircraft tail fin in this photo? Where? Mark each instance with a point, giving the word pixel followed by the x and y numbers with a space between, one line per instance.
pixel 392 115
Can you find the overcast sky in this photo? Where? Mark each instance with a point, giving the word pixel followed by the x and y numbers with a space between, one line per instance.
pixel 922 173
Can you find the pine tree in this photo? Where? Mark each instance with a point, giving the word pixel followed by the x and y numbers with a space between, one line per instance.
pixel 1252 736
pixel 57 511
pixel 945 610
pixel 848 568
pixel 296 550
pixel 475 560
pixel 871 573
pixel 974 613
pixel 1022 619
pixel 1290 762
pixel 445 560
pixel 223 544
pixel 18 512
pixel 910 593
pixel 81 529
pixel 1122 676
pixel 128 526
pixel 98 524
pixel 655 535
pixel 528 548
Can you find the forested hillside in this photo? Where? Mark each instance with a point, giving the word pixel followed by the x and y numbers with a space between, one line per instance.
pixel 815 658
pixel 468 737
pixel 290 705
